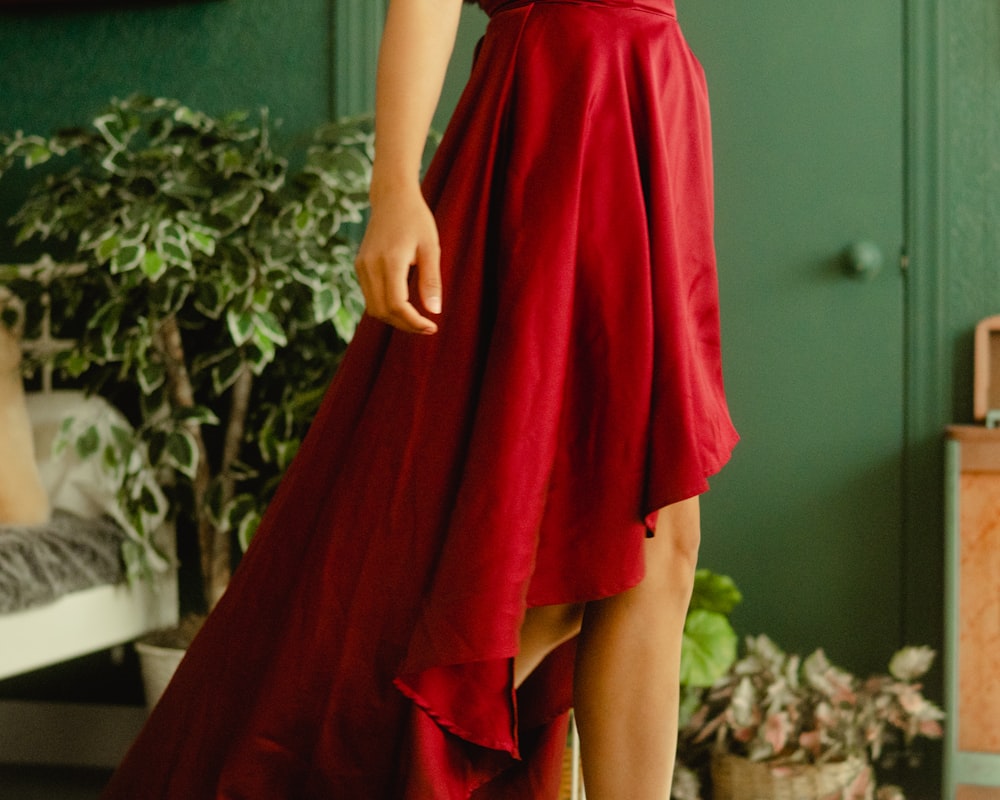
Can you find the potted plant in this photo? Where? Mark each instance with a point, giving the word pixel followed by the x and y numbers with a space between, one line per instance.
pixel 778 725
pixel 217 297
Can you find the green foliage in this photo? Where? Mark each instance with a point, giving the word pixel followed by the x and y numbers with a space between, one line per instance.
pixel 208 263
pixel 710 643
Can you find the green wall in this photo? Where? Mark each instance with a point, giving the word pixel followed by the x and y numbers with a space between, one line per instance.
pixel 971 186
pixel 472 26
pixel 59 67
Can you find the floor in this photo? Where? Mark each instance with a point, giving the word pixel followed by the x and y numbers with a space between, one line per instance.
pixel 50 783
pixel 64 783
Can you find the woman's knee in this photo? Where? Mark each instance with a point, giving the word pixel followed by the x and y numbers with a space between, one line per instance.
pixel 678 529
pixel 672 552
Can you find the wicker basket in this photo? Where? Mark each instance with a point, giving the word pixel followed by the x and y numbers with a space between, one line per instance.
pixel 737 778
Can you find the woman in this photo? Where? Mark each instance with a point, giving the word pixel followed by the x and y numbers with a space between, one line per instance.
pixel 511 452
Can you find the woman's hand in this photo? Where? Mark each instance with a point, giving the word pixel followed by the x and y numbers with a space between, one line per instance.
pixel 417 41
pixel 401 236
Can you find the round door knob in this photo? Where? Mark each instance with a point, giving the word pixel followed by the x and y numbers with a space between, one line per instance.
pixel 864 259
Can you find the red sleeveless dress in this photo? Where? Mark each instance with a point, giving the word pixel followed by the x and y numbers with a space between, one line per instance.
pixel 364 648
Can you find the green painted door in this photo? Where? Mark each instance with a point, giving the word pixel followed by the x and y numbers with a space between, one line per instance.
pixel 808 133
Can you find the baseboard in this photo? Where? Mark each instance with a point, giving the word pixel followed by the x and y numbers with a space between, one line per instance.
pixel 73 735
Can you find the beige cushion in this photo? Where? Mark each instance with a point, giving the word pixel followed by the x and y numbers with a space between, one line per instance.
pixel 23 499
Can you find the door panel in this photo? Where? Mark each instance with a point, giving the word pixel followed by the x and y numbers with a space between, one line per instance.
pixel 808 137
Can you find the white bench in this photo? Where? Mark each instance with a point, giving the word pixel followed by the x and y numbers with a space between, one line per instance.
pixel 76 624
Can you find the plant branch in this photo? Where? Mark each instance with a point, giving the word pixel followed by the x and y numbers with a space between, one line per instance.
pixel 213 547
pixel 239 406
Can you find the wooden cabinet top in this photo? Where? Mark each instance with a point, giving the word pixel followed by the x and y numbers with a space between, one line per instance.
pixel 980 447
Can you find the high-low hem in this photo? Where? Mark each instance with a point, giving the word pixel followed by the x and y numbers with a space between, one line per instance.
pixel 516 458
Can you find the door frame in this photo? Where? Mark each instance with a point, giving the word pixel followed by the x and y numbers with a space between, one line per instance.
pixel 928 358
pixel 354 40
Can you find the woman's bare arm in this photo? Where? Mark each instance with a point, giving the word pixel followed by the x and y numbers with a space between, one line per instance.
pixel 416 45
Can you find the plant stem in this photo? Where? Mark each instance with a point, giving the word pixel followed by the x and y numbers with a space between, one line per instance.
pixel 220 561
pixel 213 545
pixel 239 405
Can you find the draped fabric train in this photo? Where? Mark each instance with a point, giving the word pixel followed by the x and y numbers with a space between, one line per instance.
pixel 364 648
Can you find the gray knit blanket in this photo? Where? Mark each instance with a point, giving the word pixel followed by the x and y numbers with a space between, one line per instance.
pixel 40 563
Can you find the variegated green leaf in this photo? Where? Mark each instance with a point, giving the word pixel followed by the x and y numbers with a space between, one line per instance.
pixel 151 376
pixel 153 265
pixel 326 304
pixel 225 373
pixel 241 325
pixel 202 415
pixel 74 363
pixel 157 444
pixel 246 529
pixel 124 438
pixel 243 518
pixel 112 129
pixel 260 352
pixel 240 206
pixel 88 442
pixel 36 153
pixel 268 326
pixel 285 453
pixel 203 242
pixel 182 452
pixel 172 244
pixel 127 258
pixel 214 502
pixel 262 298
pixel 209 299
pixel 149 500
pixel 107 245
pixel 346 323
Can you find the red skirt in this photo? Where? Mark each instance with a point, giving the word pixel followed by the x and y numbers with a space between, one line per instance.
pixel 364 648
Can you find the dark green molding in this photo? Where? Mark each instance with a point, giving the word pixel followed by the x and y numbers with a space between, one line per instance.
pixel 357 28
pixel 927 354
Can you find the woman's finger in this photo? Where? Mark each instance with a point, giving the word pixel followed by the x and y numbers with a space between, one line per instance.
pixel 400 312
pixel 429 277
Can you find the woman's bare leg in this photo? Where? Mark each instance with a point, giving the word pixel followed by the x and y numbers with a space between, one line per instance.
pixel 543 630
pixel 626 692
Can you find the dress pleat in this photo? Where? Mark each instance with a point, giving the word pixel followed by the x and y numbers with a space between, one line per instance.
pixel 517 458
